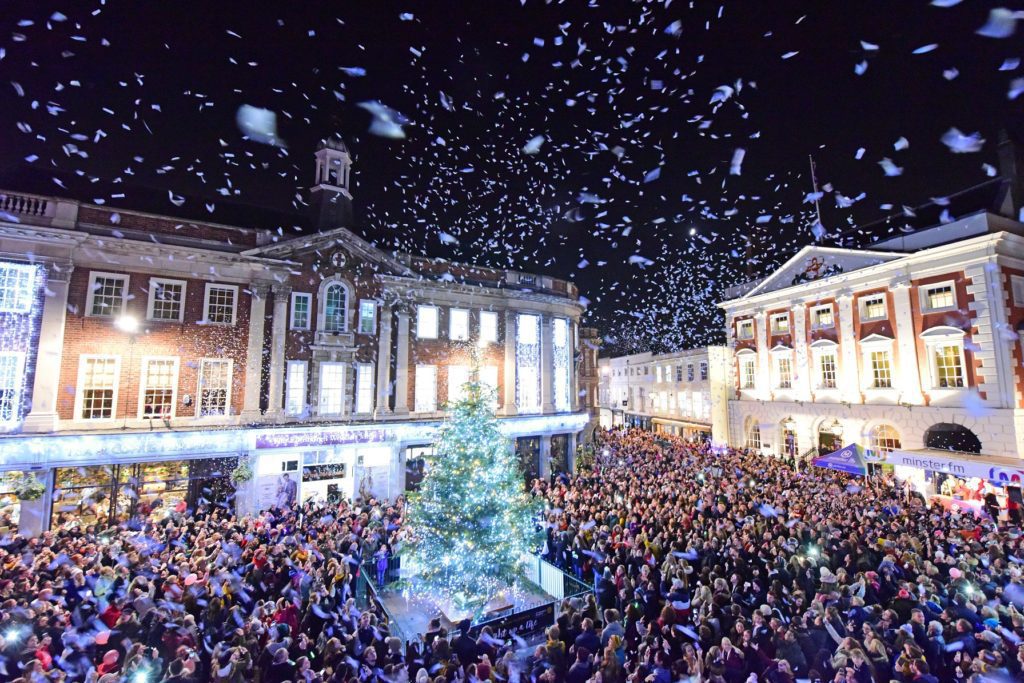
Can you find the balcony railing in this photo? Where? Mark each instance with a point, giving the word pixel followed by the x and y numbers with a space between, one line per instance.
pixel 26 205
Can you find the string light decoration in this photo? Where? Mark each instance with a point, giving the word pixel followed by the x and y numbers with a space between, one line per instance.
pixel 20 308
pixel 472 521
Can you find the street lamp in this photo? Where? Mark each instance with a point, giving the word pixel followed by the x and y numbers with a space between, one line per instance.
pixel 127 323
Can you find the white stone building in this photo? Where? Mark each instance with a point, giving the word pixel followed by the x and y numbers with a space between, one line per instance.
pixel 684 393
pixel 909 348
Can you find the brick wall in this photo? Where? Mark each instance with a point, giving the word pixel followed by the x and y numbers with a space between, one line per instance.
pixel 167 226
pixel 188 341
pixel 960 318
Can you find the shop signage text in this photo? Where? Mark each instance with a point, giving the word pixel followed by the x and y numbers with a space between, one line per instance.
pixel 321 438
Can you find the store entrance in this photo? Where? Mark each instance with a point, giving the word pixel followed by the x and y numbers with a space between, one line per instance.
pixel 559 454
pixel 528 451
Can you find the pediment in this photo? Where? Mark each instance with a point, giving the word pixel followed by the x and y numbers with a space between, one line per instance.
pixel 814 263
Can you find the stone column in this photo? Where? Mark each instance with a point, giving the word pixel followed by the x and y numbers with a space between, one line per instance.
pixel 34 518
pixel 402 366
pixel 509 385
pixel 570 459
pixel 849 383
pixel 802 366
pixel 279 327
pixel 46 385
pixel 254 352
pixel 908 369
pixel 547 363
pixel 383 407
pixel 764 384
pixel 545 457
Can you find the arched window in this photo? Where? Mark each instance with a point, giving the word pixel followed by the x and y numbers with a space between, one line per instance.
pixel 947 436
pixel 334 306
pixel 883 439
pixel 754 437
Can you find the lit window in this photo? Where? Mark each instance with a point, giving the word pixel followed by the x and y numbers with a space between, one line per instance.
pixel 1017 289
pixel 367 316
pixel 703 370
pixel 528 364
pixel 220 305
pixel 562 357
pixel 12 366
pixel 488 327
pixel 97 387
pixel 426 322
pixel 745 329
pixel 458 324
pixel 754 437
pixel 295 383
pixel 780 323
pixel 883 439
pixel 939 297
pixel 949 370
pixel 881 369
pixel 458 377
pixel 822 317
pixel 214 386
pixel 166 300
pixel 748 371
pixel 827 370
pixel 873 308
pixel 335 305
pixel 489 379
pixel 159 385
pixel 17 287
pixel 364 388
pixel 332 388
pixel 784 371
pixel 425 396
pixel 302 302
pixel 107 294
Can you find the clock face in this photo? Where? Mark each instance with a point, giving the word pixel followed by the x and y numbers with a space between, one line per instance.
pixel 339 259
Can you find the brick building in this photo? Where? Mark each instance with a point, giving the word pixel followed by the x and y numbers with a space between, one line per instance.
pixel 143 355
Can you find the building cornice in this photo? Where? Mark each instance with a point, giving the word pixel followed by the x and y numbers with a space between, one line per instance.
pixel 456 292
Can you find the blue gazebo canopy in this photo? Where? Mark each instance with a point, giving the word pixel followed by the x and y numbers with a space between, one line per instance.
pixel 849 459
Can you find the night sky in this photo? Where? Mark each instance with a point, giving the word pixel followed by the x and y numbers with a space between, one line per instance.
pixel 594 141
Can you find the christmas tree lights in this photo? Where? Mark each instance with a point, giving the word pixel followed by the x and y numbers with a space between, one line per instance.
pixel 472 520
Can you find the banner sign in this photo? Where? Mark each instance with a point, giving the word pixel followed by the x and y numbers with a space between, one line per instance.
pixel 524 624
pixel 321 438
pixel 958 467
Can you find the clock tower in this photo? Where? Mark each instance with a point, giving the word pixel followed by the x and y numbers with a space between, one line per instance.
pixel 330 199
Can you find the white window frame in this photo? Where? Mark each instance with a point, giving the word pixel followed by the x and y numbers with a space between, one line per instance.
pixel 154 284
pixel 364 396
pixel 80 387
pixel 309 310
pixel 373 318
pixel 458 335
pixel 425 401
pixel 1017 290
pixel 779 355
pixel 289 408
pixel 210 286
pixel 321 309
pixel 944 335
pixel 862 303
pixel 199 387
pixel 703 370
pixel 421 332
pixel 144 385
pixel 22 277
pixel 745 357
pixel 491 327
pixel 821 348
pixel 455 391
pixel 815 325
pixel 91 293
pixel 742 325
pixel 925 290
pixel 320 388
pixel 775 329
pixel 876 342
pixel 17 386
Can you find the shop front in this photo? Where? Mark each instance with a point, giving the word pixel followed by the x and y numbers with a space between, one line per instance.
pixel 691 431
pixel 109 494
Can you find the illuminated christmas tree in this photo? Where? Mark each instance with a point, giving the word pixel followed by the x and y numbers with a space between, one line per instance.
pixel 472 519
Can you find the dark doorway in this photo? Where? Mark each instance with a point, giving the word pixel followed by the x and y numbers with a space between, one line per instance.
pixel 947 436
pixel 559 454
pixel 528 451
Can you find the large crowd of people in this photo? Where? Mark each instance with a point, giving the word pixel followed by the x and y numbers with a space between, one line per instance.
pixel 707 566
